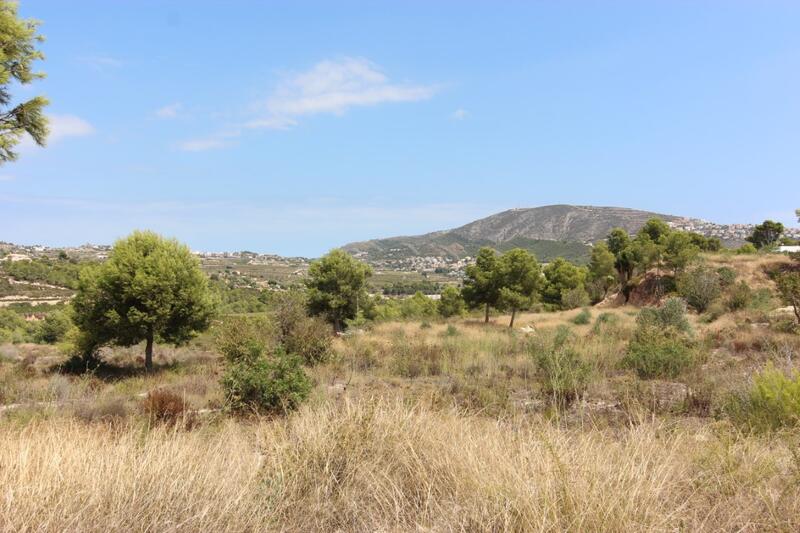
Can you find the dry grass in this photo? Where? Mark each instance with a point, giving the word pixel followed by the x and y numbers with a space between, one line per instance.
pixel 387 466
pixel 437 428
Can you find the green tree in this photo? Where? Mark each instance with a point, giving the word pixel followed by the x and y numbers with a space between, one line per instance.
pixel 789 288
pixel 520 278
pixel 149 288
pixel 561 277
pixel 679 251
pixel 451 303
pixel 700 286
pixel 18 41
pixel 601 270
pixel 656 229
pixel 647 253
pixel 480 284
pixel 418 306
pixel 797 214
pixel 766 234
pixel 337 283
pixel 617 241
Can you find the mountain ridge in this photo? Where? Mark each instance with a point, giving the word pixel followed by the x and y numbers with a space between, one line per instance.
pixel 549 231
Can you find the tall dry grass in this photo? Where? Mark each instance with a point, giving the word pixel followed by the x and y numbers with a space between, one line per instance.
pixel 388 466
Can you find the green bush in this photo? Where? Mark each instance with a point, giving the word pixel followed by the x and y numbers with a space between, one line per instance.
pixel 265 384
pixel 242 339
pixel 310 339
pixel 259 375
pixel 727 276
pixel 739 296
pixel 672 314
pixel 657 353
pixel 582 318
pixel 700 286
pixel 53 327
pixel 565 375
pixel 747 249
pixel 772 402
pixel 411 360
pixel 574 298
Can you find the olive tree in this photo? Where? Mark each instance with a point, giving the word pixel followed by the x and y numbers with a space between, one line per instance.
pixel 149 288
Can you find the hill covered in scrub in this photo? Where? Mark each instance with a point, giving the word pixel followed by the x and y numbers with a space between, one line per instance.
pixel 549 231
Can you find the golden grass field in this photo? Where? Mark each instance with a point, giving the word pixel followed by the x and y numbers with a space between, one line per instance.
pixel 410 427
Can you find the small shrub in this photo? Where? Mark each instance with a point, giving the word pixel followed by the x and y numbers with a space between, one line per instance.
pixel 240 339
pixel 163 406
pixel 740 296
pixel 655 353
pixel 419 359
pixel 310 339
pixel 699 286
pixel 727 276
pixel 772 402
pixel 53 328
pixel 425 325
pixel 565 375
pixel 714 311
pixel 604 319
pixel 672 314
pixel 747 249
pixel 582 318
pixel 451 331
pixel 266 384
pixel 111 411
pixel 574 298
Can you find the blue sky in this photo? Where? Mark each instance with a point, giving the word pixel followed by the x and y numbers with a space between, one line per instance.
pixel 294 127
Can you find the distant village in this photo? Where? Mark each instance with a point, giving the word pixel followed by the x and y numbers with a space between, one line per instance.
pixel 730 234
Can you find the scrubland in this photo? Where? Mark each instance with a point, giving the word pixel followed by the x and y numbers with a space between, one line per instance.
pixel 417 425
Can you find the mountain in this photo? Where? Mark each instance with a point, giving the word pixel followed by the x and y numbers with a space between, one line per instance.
pixel 549 231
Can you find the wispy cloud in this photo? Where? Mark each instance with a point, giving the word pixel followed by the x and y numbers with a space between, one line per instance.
pixel 169 111
pixel 271 123
pixel 63 126
pixel 101 62
pixel 459 114
pixel 330 86
pixel 203 145
pixel 7 177
pixel 336 86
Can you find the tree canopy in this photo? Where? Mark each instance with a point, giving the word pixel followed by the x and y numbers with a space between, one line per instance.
pixel 519 279
pixel 18 51
pixel 766 234
pixel 337 285
pixel 481 282
pixel 149 288
pixel 562 277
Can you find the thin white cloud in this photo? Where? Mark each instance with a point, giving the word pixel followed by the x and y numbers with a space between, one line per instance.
pixel 202 145
pixel 7 177
pixel 63 126
pixel 271 123
pixel 459 114
pixel 101 62
pixel 169 111
pixel 331 86
pixel 334 86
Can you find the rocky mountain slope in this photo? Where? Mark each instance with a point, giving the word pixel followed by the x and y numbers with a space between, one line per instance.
pixel 549 231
